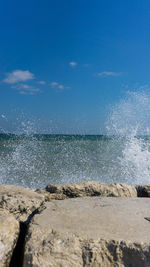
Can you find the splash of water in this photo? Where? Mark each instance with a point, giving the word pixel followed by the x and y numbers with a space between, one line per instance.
pixel 21 153
pixel 36 160
pixel 33 160
pixel 130 120
pixel 20 160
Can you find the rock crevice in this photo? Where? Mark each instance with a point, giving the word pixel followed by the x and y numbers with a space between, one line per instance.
pixel 17 207
pixel 18 253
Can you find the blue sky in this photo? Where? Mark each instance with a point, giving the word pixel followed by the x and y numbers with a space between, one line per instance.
pixel 63 64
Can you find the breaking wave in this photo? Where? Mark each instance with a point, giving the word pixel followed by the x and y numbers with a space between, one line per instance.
pixel 130 120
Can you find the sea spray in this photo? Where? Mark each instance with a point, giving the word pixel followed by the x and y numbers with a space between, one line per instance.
pixel 123 155
pixel 20 152
pixel 135 160
pixel 20 160
pixel 35 161
pixel 130 121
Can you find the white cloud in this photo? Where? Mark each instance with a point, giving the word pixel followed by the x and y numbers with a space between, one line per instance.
pixel 26 89
pixel 3 116
pixel 54 84
pixel 73 64
pixel 108 73
pixel 18 76
pixel 42 82
pixel 31 92
pixel 61 86
pixel 24 86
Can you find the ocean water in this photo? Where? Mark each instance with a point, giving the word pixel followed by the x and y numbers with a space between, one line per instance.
pixel 121 155
pixel 37 160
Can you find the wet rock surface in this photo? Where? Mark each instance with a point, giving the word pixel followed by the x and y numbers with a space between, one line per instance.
pixel 9 232
pixel 90 232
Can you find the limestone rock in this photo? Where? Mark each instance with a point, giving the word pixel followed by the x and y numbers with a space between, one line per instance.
pixel 50 196
pixel 19 201
pixel 9 231
pixel 91 188
pixel 90 232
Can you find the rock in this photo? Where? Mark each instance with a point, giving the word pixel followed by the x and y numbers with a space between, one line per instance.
pixel 9 231
pixel 91 188
pixel 90 232
pixel 19 201
pixel 49 196
pixel 143 190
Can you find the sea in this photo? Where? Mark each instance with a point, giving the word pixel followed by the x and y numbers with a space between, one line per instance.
pixel 122 155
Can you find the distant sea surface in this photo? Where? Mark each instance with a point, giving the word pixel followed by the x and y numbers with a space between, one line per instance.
pixel 37 160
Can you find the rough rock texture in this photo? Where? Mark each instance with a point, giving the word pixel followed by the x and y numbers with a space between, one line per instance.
pixel 90 188
pixel 50 196
pixel 9 231
pixel 19 201
pixel 143 190
pixel 90 232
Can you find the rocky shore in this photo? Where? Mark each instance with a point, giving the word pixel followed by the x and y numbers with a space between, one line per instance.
pixel 80 224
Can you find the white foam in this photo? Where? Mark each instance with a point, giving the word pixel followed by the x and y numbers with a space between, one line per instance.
pixel 130 118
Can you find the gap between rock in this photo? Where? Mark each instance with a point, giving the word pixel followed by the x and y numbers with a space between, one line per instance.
pixel 18 253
